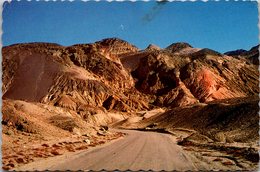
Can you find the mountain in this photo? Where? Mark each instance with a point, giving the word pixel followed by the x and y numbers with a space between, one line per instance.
pixel 80 75
pixel 107 73
pixel 114 75
pixel 152 47
pixel 235 53
pixel 79 89
pixel 203 76
pixel 181 48
pixel 251 56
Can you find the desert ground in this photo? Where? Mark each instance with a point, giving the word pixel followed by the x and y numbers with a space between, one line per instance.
pixel 109 105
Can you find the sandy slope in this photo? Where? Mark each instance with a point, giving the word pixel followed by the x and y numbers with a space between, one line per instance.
pixel 34 131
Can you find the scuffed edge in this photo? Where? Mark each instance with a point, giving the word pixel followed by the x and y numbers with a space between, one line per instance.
pixel 1 74
pixel 134 0
pixel 258 6
pixel 1 45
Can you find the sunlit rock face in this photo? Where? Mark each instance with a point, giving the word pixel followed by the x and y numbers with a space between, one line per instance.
pixel 70 77
pixel 114 75
pixel 199 76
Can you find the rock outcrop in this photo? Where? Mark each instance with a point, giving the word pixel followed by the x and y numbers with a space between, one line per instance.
pixel 114 75
pixel 79 75
pixel 203 76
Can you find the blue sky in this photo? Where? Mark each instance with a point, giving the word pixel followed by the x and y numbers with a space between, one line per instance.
pixel 221 26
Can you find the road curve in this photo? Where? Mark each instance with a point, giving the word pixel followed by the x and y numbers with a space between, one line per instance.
pixel 137 151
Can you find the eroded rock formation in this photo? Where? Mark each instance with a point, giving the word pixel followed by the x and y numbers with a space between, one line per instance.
pixel 115 75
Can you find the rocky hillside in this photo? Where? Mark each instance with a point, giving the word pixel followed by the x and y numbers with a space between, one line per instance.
pixel 72 77
pixel 251 56
pixel 112 74
pixel 181 75
pixel 229 120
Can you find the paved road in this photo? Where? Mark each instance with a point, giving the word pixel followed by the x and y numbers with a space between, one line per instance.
pixel 137 151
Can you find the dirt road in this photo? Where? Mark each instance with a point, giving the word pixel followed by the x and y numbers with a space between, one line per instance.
pixel 138 150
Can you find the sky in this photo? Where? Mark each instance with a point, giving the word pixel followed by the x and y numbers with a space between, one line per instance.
pixel 222 26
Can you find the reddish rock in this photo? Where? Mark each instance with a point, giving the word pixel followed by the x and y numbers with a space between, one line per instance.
pixel 8 166
pixel 217 159
pixel 82 147
pixel 228 163
pixel 56 152
pixel 56 146
pixel 72 76
pixel 19 160
pixel 46 145
pixel 70 148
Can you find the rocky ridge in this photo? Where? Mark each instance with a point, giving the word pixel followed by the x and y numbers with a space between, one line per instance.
pixel 251 55
pixel 113 74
